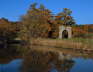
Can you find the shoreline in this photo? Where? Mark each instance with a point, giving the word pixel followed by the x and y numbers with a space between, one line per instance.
pixel 64 44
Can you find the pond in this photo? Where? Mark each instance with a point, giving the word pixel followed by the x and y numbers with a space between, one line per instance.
pixel 74 65
pixel 82 65
pixel 13 66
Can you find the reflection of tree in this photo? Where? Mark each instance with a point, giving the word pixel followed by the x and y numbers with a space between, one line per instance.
pixel 67 65
pixel 37 61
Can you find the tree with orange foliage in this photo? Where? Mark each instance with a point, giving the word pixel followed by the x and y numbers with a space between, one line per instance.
pixel 65 18
pixel 36 21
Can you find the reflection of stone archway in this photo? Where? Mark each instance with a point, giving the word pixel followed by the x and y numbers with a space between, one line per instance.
pixel 65 32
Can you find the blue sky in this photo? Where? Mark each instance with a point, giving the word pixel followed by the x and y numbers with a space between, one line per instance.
pixel 82 9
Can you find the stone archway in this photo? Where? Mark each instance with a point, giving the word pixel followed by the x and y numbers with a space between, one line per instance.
pixel 65 32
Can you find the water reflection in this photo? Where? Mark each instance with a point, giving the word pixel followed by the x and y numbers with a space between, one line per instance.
pixel 37 61
pixel 13 66
pixel 82 65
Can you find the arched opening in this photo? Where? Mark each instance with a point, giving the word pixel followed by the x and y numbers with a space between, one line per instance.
pixel 50 34
pixel 65 34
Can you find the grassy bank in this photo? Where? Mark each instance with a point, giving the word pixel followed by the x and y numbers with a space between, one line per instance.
pixel 73 43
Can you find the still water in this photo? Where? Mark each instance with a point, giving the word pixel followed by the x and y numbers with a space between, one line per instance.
pixel 80 65
pixel 13 66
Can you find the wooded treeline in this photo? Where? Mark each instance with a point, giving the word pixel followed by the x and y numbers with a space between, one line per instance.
pixel 8 33
pixel 41 22
pixel 84 31
pixel 38 22
pixel 8 30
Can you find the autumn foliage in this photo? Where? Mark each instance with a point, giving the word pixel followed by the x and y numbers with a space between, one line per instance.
pixel 85 31
pixel 41 22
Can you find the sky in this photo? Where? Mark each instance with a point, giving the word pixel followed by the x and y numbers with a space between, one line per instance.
pixel 82 9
